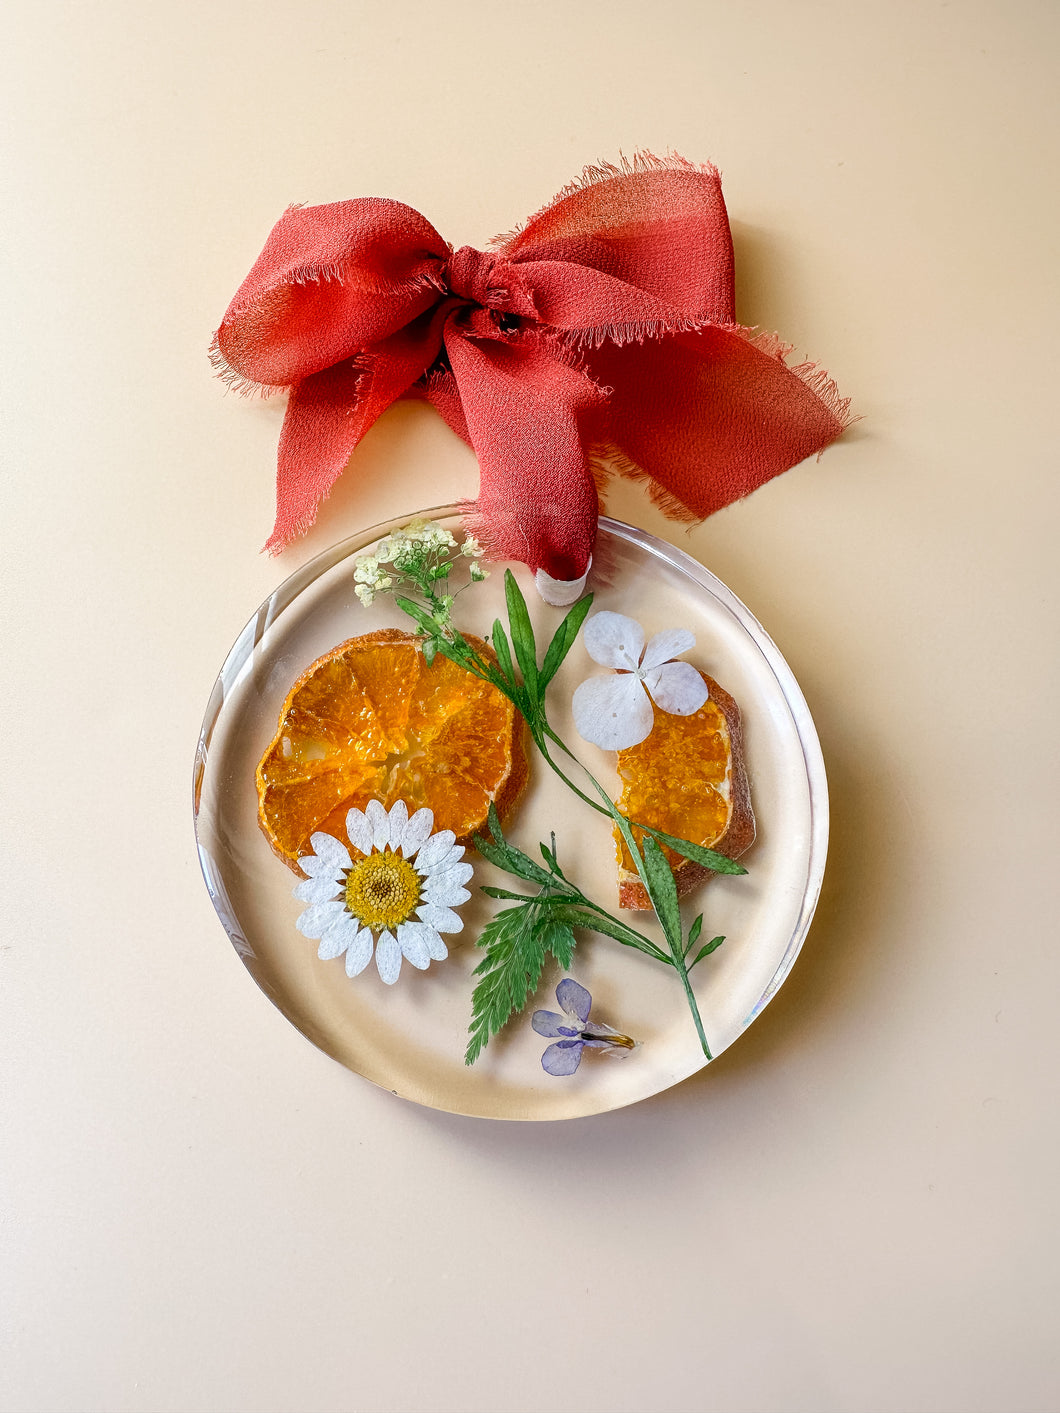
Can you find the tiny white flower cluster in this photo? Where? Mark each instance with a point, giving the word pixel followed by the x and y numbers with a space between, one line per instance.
pixel 418 551
pixel 370 578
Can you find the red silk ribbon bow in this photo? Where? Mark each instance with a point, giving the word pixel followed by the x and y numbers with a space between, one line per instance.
pixel 607 321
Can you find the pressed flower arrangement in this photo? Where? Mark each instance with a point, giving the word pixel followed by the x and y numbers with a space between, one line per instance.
pixel 391 888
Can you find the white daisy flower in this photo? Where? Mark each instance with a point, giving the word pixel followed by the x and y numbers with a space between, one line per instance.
pixel 396 899
pixel 615 712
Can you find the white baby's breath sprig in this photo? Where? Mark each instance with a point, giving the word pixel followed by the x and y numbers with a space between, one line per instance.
pixel 418 557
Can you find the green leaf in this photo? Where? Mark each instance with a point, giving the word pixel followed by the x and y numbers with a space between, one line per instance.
pixel 505 856
pixel 504 893
pixel 709 858
pixel 549 856
pixel 658 879
pixel 563 640
pixel 421 616
pixel 693 934
pixel 596 920
pixel 558 938
pixel 705 951
pixel 501 648
pixel 517 942
pixel 522 634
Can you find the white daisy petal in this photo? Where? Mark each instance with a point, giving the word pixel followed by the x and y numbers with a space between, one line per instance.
pixel 442 919
pixel 677 687
pixel 445 894
pixel 379 822
pixel 330 850
pixel 449 859
pixel 412 939
pixel 438 847
pixel 319 868
pixel 337 937
pixel 612 712
pixel 454 873
pixel 316 890
pixel 399 818
pixel 360 831
pixel 388 958
pixel 317 919
pixel 437 948
pixel 613 640
pixel 665 646
pixel 417 831
pixel 359 953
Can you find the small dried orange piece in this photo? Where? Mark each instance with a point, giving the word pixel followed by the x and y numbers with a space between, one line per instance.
pixel 687 779
pixel 371 721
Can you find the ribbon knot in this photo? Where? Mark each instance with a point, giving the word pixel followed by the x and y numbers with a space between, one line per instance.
pixel 481 277
pixel 607 320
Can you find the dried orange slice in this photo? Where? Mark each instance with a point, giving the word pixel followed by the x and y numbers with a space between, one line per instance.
pixel 371 721
pixel 688 779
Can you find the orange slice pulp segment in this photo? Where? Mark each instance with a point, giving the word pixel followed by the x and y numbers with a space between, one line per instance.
pixel 687 779
pixel 371 720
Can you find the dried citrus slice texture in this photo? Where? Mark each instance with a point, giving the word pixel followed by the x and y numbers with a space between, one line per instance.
pixel 687 779
pixel 372 721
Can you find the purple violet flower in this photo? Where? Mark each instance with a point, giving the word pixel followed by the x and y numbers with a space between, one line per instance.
pixel 575 1030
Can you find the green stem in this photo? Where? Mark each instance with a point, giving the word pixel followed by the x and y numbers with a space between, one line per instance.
pixel 678 965
pixel 539 741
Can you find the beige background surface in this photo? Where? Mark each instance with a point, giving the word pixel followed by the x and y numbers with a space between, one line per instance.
pixel 855 1207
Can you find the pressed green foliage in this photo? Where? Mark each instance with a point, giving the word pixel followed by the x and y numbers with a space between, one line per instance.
pixel 705 951
pixel 709 858
pixel 519 939
pixel 563 640
pixel 522 633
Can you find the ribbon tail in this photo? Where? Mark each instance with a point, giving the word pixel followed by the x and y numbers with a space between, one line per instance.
pixel 330 412
pixel 710 416
pixel 537 498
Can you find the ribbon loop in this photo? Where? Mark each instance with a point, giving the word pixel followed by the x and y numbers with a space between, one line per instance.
pixel 608 318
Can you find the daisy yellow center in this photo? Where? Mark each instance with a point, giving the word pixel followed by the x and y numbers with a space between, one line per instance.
pixel 382 890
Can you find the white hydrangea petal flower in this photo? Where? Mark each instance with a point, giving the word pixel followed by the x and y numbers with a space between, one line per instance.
pixel 612 712
pixel 442 919
pixel 417 831
pixel 359 952
pixel 330 850
pixel 315 920
pixel 671 643
pixel 360 831
pixel 412 939
pixel 677 687
pixel 438 847
pixel 446 892
pixel 388 958
pixel 613 640
pixel 317 890
pixel 399 818
pixel 379 822
pixel 337 937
